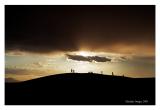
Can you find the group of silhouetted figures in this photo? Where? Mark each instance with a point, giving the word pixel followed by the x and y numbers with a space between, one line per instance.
pixel 73 71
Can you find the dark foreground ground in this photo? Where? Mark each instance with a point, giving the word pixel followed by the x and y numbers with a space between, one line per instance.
pixel 81 89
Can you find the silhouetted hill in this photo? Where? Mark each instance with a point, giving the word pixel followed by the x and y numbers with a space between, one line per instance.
pixel 81 89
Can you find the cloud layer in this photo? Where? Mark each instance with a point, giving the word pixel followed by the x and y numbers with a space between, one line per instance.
pixel 10 80
pixel 43 29
pixel 88 58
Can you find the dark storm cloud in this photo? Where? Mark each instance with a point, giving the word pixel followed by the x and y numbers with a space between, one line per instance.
pixel 99 59
pixel 88 58
pixel 67 28
pixel 78 58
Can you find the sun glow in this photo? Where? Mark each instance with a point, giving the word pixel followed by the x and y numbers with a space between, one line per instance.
pixel 83 53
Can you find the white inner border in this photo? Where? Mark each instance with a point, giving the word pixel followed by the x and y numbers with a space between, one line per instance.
pixel 79 2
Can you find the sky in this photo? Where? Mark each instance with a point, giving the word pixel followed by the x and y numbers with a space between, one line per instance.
pixel 46 40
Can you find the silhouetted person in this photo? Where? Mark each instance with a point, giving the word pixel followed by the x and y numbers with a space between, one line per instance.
pixel 71 70
pixel 112 74
pixel 101 72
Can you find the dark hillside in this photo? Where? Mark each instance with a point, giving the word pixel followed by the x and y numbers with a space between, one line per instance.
pixel 81 89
